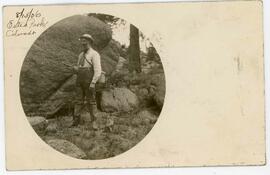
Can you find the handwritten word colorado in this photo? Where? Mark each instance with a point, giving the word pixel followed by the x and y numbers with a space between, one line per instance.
pixel 25 22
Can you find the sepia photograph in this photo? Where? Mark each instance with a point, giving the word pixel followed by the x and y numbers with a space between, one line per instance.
pixel 92 86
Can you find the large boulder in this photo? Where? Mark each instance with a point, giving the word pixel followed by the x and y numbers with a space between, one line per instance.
pixel 62 97
pixel 118 99
pixel 67 148
pixel 149 86
pixel 46 81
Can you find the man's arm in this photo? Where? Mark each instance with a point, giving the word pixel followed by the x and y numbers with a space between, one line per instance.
pixel 79 59
pixel 75 68
pixel 97 68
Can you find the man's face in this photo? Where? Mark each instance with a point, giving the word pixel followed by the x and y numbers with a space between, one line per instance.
pixel 85 43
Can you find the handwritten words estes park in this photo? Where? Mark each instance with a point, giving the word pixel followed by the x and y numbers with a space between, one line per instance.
pixel 25 22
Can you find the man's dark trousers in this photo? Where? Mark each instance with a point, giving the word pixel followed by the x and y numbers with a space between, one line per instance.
pixel 84 93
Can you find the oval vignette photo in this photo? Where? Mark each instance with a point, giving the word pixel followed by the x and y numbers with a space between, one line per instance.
pixel 92 86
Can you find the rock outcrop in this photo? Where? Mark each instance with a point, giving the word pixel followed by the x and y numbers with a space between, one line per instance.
pixel 67 148
pixel 46 80
pixel 118 99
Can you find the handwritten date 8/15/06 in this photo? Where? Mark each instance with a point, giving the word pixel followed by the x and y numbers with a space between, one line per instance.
pixel 25 23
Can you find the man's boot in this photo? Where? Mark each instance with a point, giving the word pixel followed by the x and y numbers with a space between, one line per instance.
pixel 76 114
pixel 93 112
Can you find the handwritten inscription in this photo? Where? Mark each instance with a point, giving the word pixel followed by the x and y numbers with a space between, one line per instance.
pixel 25 23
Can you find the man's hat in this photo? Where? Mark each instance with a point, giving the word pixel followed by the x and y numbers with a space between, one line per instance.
pixel 87 36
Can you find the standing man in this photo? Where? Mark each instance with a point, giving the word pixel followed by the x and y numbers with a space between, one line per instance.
pixel 88 70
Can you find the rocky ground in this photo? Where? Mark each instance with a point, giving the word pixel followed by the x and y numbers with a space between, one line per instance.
pixel 129 108
pixel 113 135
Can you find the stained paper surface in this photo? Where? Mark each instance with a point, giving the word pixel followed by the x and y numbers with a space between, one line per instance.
pixel 213 113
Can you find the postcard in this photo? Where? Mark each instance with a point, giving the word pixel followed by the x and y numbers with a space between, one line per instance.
pixel 130 85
